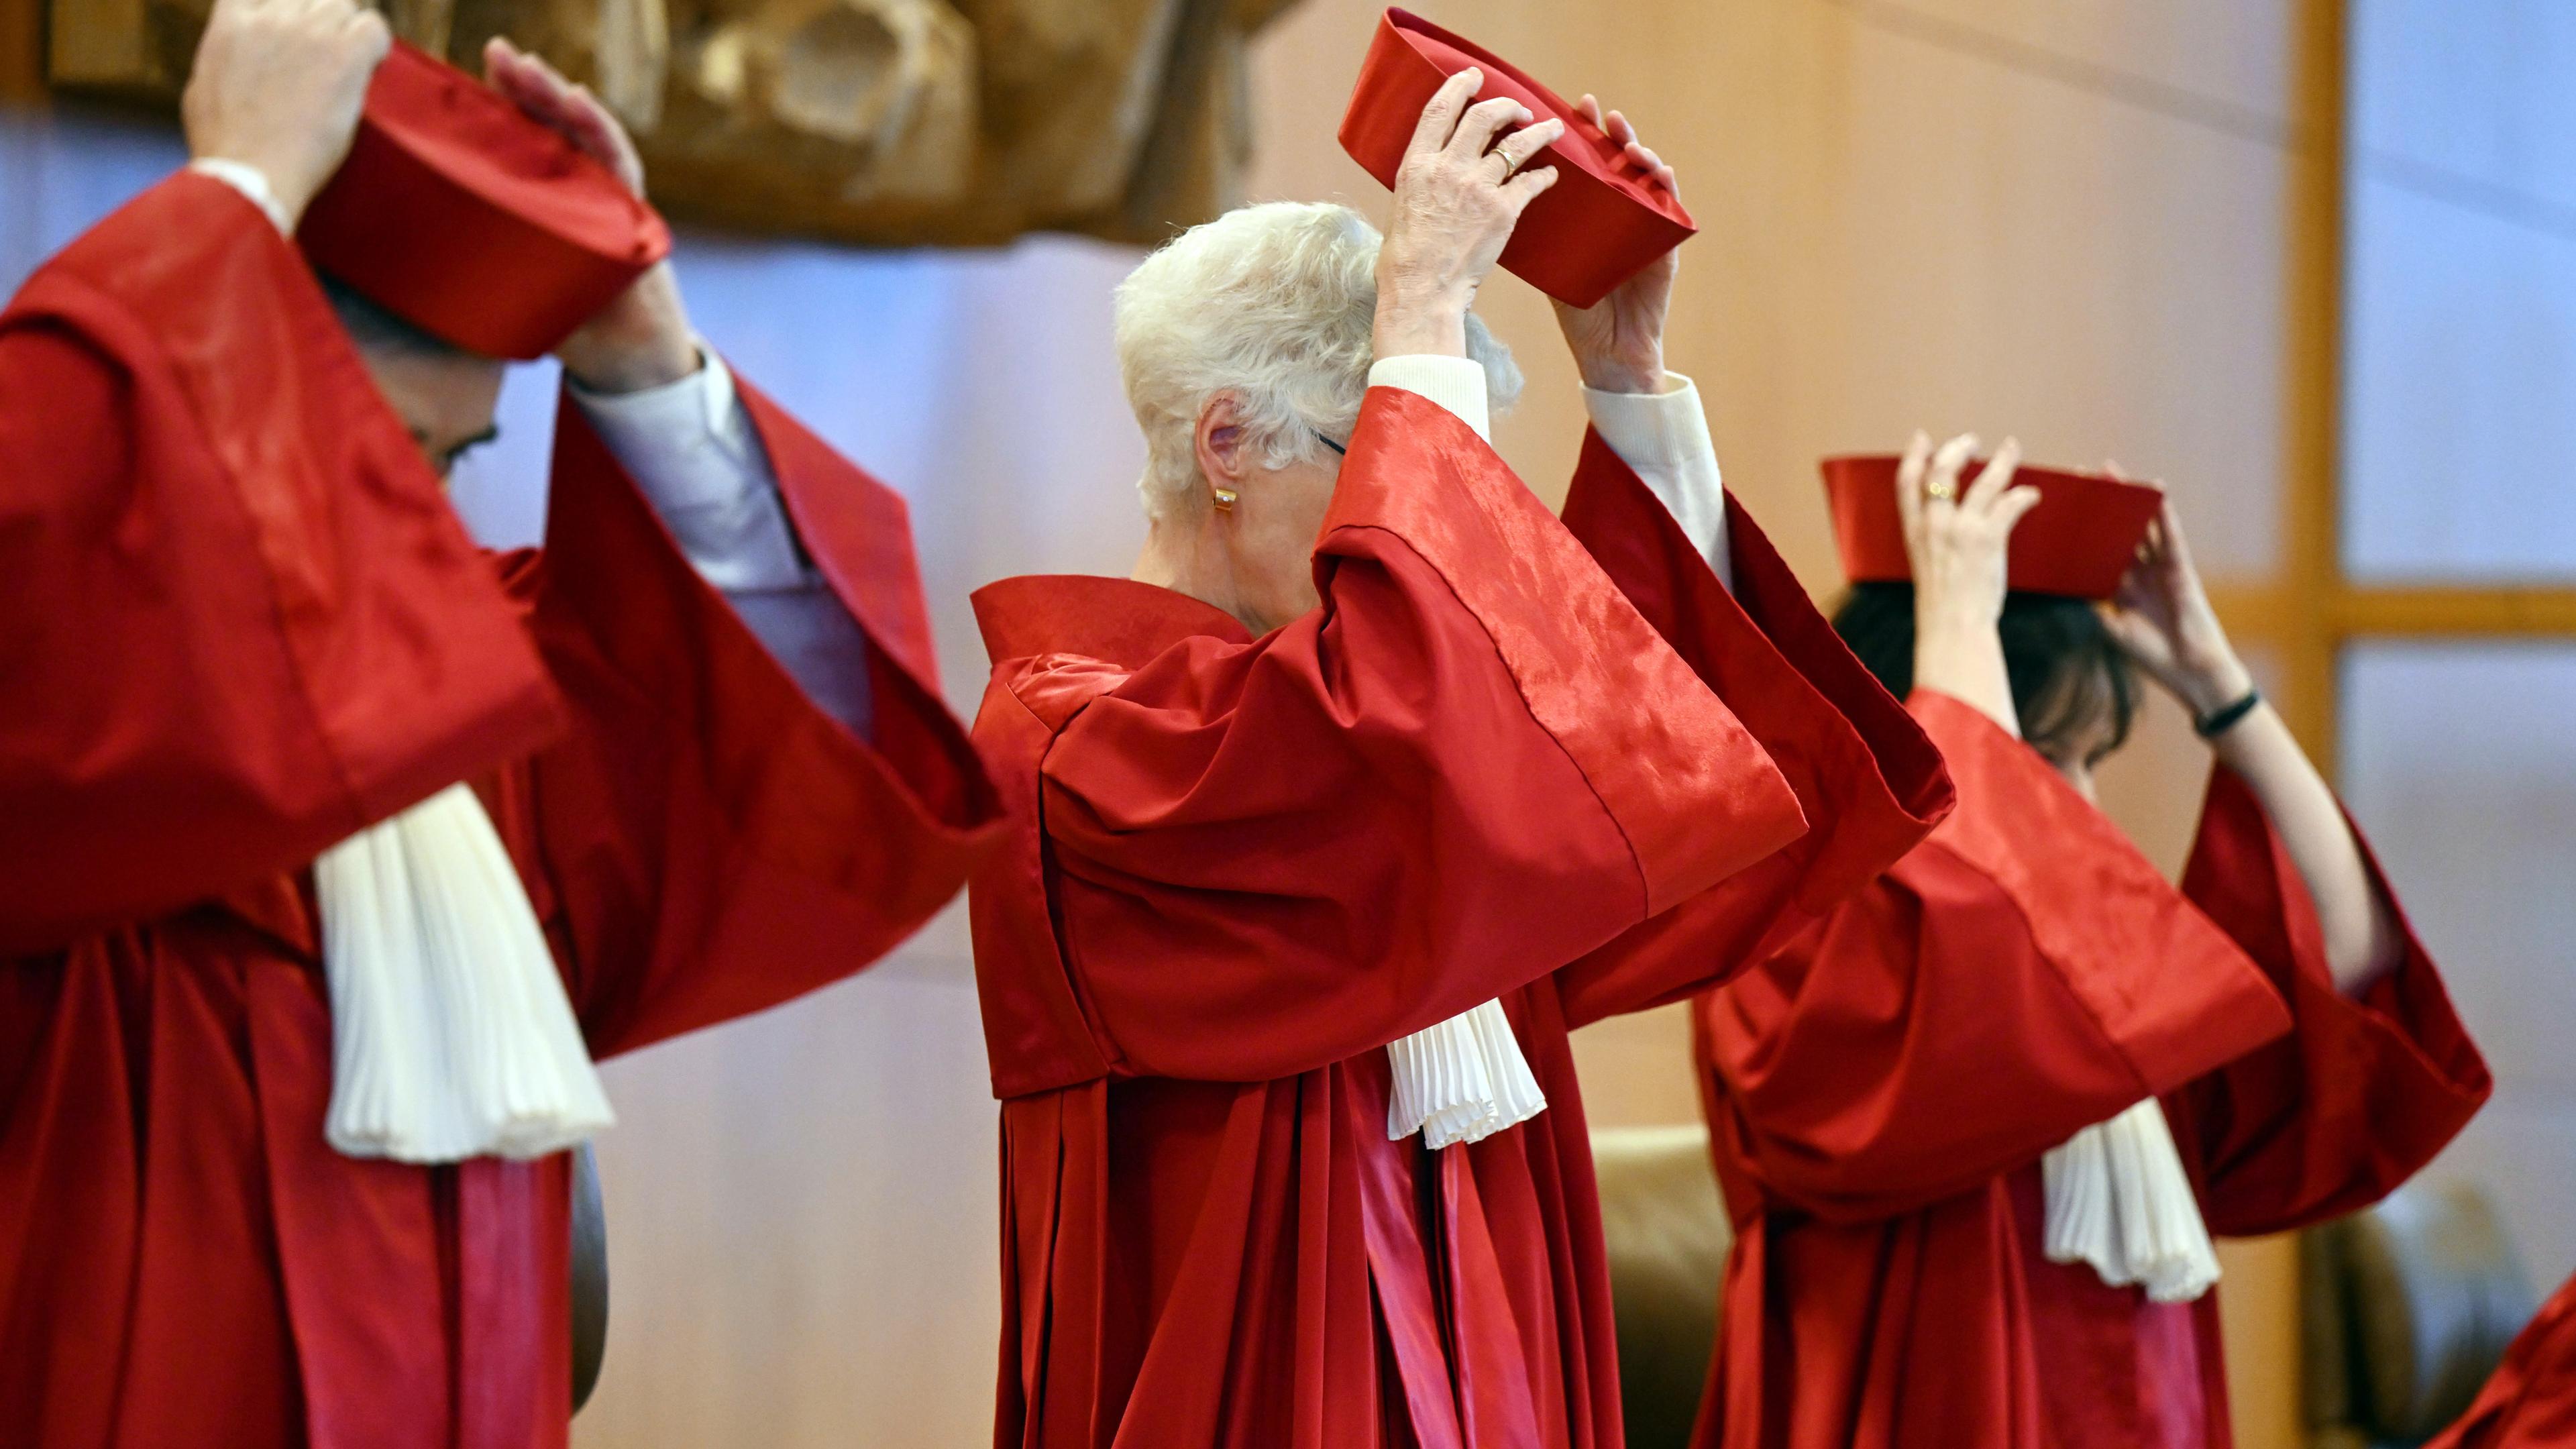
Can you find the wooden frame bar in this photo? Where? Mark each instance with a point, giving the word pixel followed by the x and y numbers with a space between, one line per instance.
pixel 22 52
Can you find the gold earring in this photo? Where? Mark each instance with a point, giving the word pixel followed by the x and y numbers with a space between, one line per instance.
pixel 1225 499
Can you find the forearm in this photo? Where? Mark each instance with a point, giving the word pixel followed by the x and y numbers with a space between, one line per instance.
pixel 2361 935
pixel 1962 656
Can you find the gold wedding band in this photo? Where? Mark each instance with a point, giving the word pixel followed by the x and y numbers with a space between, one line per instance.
pixel 1941 488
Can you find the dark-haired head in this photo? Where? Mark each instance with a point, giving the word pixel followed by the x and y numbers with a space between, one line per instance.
pixel 2075 692
pixel 444 394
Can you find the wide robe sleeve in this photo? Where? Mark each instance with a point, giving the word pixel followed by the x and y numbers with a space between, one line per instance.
pixel 1473 763
pixel 238 620
pixel 2530 1400
pixel 2361 1093
pixel 714 841
pixel 2023 973
pixel 1869 782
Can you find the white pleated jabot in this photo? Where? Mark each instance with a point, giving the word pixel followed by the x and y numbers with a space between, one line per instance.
pixel 1461 1081
pixel 2119 1200
pixel 451 1036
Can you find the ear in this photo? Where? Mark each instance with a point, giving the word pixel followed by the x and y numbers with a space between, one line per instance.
pixel 1218 444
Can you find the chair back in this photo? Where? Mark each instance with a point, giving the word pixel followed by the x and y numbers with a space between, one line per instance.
pixel 1668 1236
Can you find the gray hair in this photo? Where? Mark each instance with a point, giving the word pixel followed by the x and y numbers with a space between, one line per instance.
pixel 1274 304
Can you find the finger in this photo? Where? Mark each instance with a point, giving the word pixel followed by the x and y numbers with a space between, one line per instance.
pixel 1440 118
pixel 1997 477
pixel 1621 129
pixel 370 27
pixel 542 92
pixel 533 94
pixel 2015 505
pixel 549 95
pixel 1653 166
pixel 1909 481
pixel 1483 122
pixel 508 70
pixel 1589 109
pixel 1528 141
pixel 555 80
pixel 1943 477
pixel 1524 188
pixel 606 136
pixel 522 76
pixel 2128 628
pixel 584 120
pixel 2177 548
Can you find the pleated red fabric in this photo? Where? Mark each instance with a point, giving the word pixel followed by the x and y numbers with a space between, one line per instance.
pixel 238 621
pixel 1880 1091
pixel 1239 867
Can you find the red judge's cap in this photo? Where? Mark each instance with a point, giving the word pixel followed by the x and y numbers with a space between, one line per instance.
pixel 2077 542
pixel 458 213
pixel 1599 225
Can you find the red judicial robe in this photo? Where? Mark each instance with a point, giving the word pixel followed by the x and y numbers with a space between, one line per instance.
pixel 2530 1401
pixel 1239 867
pixel 238 622
pixel 1880 1093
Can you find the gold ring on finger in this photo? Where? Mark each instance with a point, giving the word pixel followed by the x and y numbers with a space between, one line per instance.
pixel 1941 488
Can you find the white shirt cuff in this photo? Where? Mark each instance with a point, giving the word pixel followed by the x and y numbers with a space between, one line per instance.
pixel 1663 438
pixel 1455 383
pixel 251 182
pixel 691 448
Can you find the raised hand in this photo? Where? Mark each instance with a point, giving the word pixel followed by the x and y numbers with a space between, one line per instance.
pixel 1959 545
pixel 2162 619
pixel 642 339
pixel 278 84
pixel 540 90
pixel 1458 194
pixel 1957 541
pixel 1618 342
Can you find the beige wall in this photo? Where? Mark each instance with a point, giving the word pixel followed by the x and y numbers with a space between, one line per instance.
pixel 2065 220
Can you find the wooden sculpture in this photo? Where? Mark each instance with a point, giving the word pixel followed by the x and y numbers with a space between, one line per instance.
pixel 899 122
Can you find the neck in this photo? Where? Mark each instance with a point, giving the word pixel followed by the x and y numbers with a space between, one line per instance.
pixel 1184 555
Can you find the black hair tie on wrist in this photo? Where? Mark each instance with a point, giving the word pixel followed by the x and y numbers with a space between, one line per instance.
pixel 2224 718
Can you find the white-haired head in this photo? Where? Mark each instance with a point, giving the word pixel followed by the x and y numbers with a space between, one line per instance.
pixel 1274 304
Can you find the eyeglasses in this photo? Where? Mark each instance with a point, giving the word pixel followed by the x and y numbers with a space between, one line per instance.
pixel 1341 450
